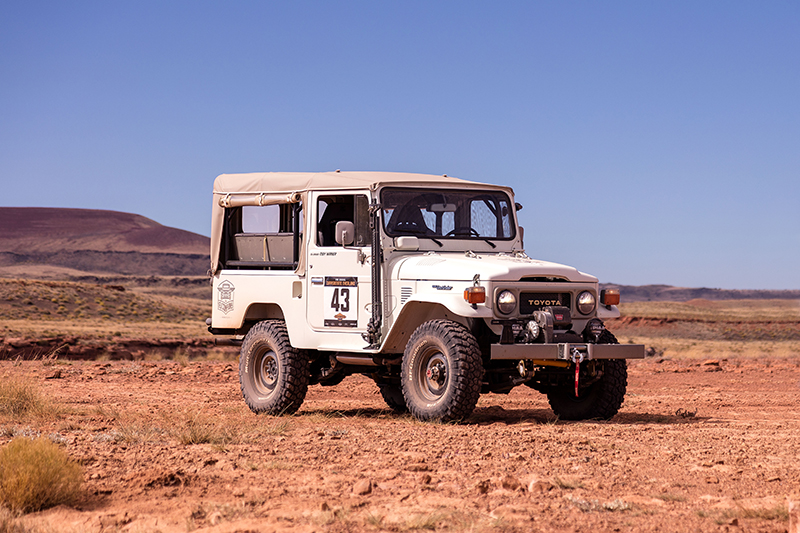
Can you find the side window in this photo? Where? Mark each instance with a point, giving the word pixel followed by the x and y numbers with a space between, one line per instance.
pixel 262 237
pixel 350 208
pixel 269 218
pixel 261 219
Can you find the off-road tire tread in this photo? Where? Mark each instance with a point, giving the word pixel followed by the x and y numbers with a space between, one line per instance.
pixel 393 396
pixel 295 368
pixel 466 374
pixel 609 398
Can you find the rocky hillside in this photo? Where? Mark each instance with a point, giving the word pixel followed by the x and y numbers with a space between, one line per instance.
pixel 75 241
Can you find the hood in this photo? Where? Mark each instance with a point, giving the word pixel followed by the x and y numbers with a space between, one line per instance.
pixel 491 267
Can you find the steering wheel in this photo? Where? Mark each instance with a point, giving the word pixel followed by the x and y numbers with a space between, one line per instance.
pixel 463 230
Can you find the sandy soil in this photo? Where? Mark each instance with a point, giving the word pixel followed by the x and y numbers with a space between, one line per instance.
pixel 698 446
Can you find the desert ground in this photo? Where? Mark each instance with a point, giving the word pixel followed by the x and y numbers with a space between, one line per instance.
pixel 170 446
pixel 708 438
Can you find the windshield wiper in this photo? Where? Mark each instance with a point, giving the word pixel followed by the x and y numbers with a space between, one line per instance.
pixel 490 243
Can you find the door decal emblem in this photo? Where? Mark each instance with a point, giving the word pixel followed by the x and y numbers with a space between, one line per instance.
pixel 225 298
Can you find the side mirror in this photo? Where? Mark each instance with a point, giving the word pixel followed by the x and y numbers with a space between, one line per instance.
pixel 522 236
pixel 345 232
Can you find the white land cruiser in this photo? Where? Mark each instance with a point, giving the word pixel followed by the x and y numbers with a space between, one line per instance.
pixel 420 282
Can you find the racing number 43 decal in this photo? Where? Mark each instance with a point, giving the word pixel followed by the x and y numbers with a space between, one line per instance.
pixel 341 302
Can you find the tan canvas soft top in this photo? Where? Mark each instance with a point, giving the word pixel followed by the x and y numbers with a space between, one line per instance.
pixel 269 188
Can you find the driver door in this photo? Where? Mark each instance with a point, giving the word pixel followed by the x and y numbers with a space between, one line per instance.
pixel 339 283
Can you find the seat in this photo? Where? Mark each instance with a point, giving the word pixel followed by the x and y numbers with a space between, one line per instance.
pixel 409 220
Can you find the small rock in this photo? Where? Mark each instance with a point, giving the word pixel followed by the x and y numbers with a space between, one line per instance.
pixel 710 362
pixel 482 486
pixel 362 487
pixel 774 478
pixel 55 374
pixel 215 518
pixel 712 479
pixel 425 479
pixel 324 506
pixel 538 486
pixel 510 483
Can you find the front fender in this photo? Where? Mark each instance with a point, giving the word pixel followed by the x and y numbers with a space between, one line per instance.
pixel 424 306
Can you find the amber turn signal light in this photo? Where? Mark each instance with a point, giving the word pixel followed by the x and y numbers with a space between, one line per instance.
pixel 609 297
pixel 475 295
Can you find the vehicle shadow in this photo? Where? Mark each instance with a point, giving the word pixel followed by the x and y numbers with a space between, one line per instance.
pixel 347 413
pixel 495 414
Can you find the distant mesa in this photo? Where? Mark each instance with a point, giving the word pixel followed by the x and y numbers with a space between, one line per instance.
pixel 41 229
pixel 97 241
pixel 668 293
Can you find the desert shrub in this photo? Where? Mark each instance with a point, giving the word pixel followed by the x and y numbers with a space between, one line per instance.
pixel 20 398
pixel 37 474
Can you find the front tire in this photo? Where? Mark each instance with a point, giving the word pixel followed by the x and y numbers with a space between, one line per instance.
pixel 600 400
pixel 441 372
pixel 273 375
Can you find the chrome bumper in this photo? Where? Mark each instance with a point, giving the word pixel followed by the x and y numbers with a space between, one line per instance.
pixel 566 351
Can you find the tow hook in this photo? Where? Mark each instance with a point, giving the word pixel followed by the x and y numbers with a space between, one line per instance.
pixel 577 358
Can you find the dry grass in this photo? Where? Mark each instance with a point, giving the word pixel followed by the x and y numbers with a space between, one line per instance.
pixel 66 300
pixel 199 428
pixel 702 329
pixel 680 348
pixel 13 523
pixel 37 474
pixel 428 521
pixel 89 330
pixel 725 310
pixel 20 399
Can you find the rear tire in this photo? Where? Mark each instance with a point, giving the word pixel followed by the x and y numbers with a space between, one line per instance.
pixel 393 396
pixel 602 399
pixel 273 375
pixel 441 372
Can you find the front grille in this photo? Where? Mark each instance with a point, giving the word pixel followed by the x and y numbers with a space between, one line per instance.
pixel 534 301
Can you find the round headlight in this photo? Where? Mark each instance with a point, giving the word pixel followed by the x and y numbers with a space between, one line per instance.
pixel 586 302
pixel 506 302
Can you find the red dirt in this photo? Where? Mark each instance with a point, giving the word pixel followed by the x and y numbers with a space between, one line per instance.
pixel 698 446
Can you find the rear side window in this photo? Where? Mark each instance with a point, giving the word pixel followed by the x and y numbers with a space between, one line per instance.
pixel 261 219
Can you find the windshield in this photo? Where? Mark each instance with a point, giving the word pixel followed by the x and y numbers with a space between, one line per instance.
pixel 447 213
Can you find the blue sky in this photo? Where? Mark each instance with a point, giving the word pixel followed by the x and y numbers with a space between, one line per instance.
pixel 650 142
